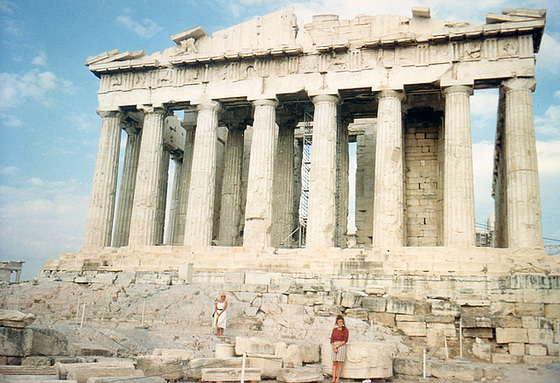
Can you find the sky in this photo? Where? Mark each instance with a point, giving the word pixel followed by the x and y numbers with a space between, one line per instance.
pixel 49 129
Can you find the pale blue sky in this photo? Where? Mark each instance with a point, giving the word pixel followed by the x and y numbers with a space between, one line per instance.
pixel 49 128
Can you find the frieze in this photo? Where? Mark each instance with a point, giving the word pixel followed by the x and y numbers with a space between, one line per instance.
pixel 356 59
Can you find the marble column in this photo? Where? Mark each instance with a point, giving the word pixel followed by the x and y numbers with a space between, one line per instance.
pixel 128 183
pixel 230 214
pixel 101 210
pixel 174 202
pixel 343 183
pixel 200 207
pixel 458 183
pixel 283 209
pixel 258 209
pixel 321 221
pixel 388 198
pixel 522 179
pixel 144 220
pixel 162 197
pixel 183 179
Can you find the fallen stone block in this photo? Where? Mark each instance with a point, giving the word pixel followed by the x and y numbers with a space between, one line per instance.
pixel 230 374
pixel 224 350
pixel 185 355
pixel 543 360
pixel 83 371
pixel 300 375
pixel 31 379
pixel 506 358
pixel 88 349
pixel 196 365
pixel 364 360
pixel 128 379
pixel 36 361
pixel 412 328
pixel 292 358
pixel 270 365
pixel 384 319
pixel 310 352
pixel 455 370
pixel 253 345
pixel 15 341
pixel 482 351
pixel 48 341
pixel 28 370
pixel 15 319
pixel 169 367
pixel 407 365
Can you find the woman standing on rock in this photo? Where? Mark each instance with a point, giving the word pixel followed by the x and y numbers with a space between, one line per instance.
pixel 339 338
pixel 220 315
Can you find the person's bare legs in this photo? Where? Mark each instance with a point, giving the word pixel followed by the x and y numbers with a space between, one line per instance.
pixel 338 371
pixel 333 372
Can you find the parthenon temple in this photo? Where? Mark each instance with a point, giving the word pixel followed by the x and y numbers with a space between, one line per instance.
pixel 238 147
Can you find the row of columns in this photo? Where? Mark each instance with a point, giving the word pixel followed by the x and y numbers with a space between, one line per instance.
pixel 192 223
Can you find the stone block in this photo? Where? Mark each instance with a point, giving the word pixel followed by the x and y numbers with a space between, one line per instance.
pixel 224 350
pixel 482 351
pixel 407 365
pixel 374 304
pixel 508 321
pixel 542 360
pixel 257 278
pixel 104 278
pixel 88 349
pixel 511 335
pixel 253 345
pixel 36 361
pixel 280 348
pixel 397 306
pixel 310 352
pixel 384 319
pixel 126 379
pixel 375 290
pixel 357 313
pixel 439 319
pixel 409 318
pixel 300 375
pixel 552 349
pixel 234 278
pixel 270 365
pixel 444 328
pixel 125 278
pixel 301 299
pixel 168 367
pixel 351 299
pixel 552 310
pixel 225 374
pixel 478 333
pixel 444 307
pixel 81 372
pixel 540 335
pixel 15 319
pixel 529 309
pixel 292 358
pixel 364 360
pixel 15 341
pixel 536 349
pixel 412 328
pixel 471 321
pixel 506 358
pixel 516 348
pixel 48 341
pixel 196 365
pixel 455 370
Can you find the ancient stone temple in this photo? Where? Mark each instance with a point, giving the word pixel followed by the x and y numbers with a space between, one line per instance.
pixel 253 125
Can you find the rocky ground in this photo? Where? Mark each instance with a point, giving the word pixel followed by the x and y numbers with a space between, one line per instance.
pixel 134 320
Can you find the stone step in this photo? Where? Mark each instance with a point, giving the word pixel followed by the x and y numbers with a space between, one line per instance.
pixel 32 379
pixel 28 370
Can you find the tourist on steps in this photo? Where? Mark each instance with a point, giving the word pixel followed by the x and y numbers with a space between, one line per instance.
pixel 220 315
pixel 339 338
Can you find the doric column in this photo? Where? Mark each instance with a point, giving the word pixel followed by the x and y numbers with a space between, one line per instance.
pixel 388 200
pixel 200 207
pixel 343 164
pixel 101 210
pixel 177 159
pixel 144 221
pixel 230 214
pixel 162 196
pixel 258 210
pixel 128 182
pixel 321 222
pixel 283 209
pixel 522 179
pixel 458 184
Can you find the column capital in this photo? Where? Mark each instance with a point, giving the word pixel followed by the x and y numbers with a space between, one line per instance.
pixel 208 105
pixel 109 113
pixel 150 109
pixel 265 102
pixel 335 98
pixel 520 83
pixel 390 93
pixel 468 89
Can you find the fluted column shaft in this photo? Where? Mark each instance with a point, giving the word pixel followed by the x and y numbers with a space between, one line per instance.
pixel 388 202
pixel 522 179
pixel 162 197
pixel 321 221
pixel 144 221
pixel 101 210
pixel 458 183
pixel 200 207
pixel 258 210
pixel 283 211
pixel 175 199
pixel 230 212
pixel 126 191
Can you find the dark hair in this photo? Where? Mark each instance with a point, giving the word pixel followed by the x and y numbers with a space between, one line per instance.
pixel 340 317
